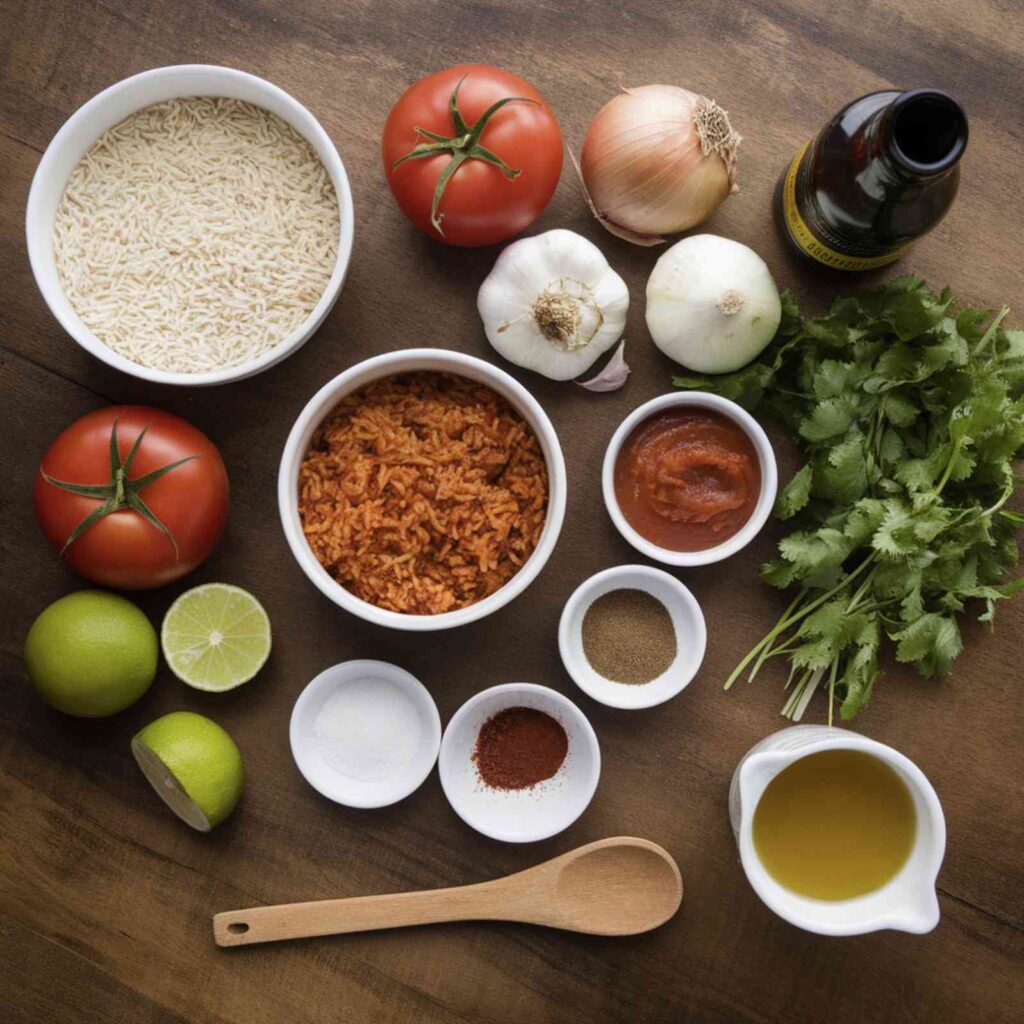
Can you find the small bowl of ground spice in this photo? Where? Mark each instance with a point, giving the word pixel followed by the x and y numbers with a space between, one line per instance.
pixel 632 636
pixel 519 762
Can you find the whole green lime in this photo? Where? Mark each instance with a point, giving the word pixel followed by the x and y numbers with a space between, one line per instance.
pixel 91 654
pixel 194 766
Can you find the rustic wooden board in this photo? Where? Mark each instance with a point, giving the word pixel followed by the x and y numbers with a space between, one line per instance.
pixel 105 899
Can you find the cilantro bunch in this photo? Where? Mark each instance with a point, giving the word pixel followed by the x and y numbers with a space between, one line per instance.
pixel 910 414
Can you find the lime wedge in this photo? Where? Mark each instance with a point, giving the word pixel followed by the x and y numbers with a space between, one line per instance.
pixel 216 637
pixel 194 766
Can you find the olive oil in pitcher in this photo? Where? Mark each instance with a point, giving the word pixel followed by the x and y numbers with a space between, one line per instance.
pixel 883 172
pixel 835 825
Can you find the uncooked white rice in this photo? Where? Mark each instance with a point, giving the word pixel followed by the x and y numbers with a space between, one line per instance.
pixel 196 234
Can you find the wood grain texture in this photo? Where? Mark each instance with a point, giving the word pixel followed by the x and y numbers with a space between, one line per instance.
pixel 105 899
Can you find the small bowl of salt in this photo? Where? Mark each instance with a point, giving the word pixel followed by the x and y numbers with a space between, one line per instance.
pixel 365 733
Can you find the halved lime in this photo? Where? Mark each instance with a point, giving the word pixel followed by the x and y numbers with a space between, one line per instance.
pixel 216 637
pixel 194 766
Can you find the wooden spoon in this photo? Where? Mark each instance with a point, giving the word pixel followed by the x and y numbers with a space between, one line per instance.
pixel 618 886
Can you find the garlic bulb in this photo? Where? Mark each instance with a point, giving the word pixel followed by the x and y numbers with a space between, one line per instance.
pixel 658 160
pixel 712 304
pixel 552 304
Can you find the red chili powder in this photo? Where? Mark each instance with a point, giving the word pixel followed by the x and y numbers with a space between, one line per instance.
pixel 519 747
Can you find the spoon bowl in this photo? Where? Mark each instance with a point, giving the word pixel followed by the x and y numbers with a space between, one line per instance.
pixel 617 886
pixel 623 888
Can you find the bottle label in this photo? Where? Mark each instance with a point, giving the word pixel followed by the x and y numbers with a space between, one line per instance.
pixel 808 242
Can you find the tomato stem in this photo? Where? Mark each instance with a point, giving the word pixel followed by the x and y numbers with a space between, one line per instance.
pixel 120 491
pixel 463 145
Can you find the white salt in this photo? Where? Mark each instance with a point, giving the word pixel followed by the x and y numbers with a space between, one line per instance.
pixel 368 729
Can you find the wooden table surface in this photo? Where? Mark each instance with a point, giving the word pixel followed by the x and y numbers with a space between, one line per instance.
pixel 106 899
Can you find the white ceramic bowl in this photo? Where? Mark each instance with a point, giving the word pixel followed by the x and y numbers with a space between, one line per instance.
pixel 687 619
pixel 113 105
pixel 355 792
pixel 526 815
pixel 769 478
pixel 323 403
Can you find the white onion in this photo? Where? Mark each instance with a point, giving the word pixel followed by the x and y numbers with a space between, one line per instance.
pixel 712 305
pixel 658 160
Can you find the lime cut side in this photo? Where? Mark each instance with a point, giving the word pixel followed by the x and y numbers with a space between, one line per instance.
pixel 168 788
pixel 216 637
pixel 193 765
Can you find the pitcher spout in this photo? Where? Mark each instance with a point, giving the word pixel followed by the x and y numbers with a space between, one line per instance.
pixel 920 913
pixel 758 769
pixel 749 780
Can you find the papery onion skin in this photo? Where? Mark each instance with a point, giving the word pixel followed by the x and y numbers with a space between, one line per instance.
pixel 648 171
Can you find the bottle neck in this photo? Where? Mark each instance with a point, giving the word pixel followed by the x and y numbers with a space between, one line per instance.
pixel 920 136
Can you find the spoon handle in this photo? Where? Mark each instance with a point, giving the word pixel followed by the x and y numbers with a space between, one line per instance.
pixel 358 914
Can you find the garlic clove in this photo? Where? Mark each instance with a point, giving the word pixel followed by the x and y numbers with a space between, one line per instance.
pixel 613 376
pixel 552 304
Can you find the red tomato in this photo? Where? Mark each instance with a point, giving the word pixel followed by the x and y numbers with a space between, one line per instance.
pixel 480 203
pixel 125 549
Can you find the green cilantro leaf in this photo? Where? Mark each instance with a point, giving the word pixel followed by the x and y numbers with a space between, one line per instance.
pixel 795 495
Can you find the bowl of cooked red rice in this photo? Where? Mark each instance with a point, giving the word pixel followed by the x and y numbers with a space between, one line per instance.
pixel 422 489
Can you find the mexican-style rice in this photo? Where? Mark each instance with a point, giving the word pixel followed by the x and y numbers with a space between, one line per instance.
pixel 423 493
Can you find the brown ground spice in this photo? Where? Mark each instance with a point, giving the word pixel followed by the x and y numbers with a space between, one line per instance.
pixel 628 636
pixel 519 747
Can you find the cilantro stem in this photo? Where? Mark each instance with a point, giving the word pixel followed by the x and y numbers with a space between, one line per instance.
pixel 790 617
pixel 802 694
pixel 948 471
pixel 832 686
pixel 860 592
pixel 1006 495
pixel 767 650
pixel 991 332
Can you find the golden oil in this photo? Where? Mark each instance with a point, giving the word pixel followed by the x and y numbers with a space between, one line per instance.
pixel 835 825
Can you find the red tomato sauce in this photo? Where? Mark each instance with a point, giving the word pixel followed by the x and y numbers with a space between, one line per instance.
pixel 687 479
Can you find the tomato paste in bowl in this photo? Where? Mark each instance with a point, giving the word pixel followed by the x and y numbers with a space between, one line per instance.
pixel 689 478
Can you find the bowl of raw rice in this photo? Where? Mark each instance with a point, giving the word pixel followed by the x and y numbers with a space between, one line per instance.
pixel 190 225
pixel 422 489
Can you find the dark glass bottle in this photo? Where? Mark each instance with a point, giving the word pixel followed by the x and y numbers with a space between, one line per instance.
pixel 880 174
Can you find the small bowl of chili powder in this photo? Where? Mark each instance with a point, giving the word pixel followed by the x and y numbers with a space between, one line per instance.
pixel 689 478
pixel 519 762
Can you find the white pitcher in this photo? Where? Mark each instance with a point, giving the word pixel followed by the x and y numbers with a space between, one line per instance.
pixel 907 902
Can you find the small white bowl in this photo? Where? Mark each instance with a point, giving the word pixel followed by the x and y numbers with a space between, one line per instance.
pixel 110 107
pixel 523 815
pixel 769 478
pixel 355 792
pixel 408 360
pixel 687 620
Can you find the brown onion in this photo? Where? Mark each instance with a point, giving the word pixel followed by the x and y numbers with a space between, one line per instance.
pixel 658 160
